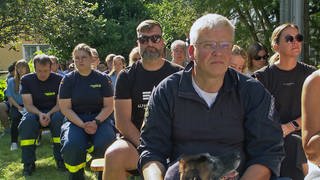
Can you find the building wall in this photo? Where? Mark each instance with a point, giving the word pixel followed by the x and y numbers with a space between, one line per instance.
pixel 8 56
pixel 25 50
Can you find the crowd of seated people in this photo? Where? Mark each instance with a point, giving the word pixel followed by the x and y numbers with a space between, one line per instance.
pixel 212 97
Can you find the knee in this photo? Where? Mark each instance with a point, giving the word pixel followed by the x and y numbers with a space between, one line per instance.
pixel 15 116
pixel 73 147
pixel 29 121
pixel 114 156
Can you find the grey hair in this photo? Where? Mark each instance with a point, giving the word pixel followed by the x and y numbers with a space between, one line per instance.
pixel 209 21
pixel 178 43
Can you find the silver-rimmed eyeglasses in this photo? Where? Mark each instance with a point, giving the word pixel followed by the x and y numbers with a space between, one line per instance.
pixel 215 45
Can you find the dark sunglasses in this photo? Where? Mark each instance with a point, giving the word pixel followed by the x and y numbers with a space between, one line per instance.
pixel 261 58
pixel 298 38
pixel 145 39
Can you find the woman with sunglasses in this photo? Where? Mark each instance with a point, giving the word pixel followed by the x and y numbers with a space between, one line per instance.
pixel 284 78
pixel 257 57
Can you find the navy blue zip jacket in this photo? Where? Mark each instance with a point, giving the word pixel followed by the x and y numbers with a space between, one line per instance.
pixel 178 121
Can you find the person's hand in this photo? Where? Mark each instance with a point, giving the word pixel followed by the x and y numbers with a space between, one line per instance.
pixel 20 109
pixel 287 129
pixel 233 175
pixel 90 127
pixel 44 119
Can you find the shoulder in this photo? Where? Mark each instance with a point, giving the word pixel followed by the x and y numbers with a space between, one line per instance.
pixel 98 74
pixel 313 80
pixel 69 75
pixel 174 67
pixel 28 77
pixel 306 67
pixel 168 86
pixel 245 84
pixel 264 70
pixel 172 81
pixel 56 76
pixel 11 80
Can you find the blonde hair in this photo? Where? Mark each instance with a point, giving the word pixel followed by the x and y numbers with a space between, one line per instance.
pixel 122 60
pixel 133 53
pixel 239 51
pixel 82 47
pixel 275 39
pixel 17 76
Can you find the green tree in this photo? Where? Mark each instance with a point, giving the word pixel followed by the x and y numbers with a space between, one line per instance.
pixel 176 17
pixel 13 22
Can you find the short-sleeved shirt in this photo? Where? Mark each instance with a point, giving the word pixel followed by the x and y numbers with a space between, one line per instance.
pixel 136 83
pixel 11 91
pixel 285 87
pixel 86 92
pixel 44 93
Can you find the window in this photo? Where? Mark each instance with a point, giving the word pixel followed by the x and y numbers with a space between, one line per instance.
pixel 30 49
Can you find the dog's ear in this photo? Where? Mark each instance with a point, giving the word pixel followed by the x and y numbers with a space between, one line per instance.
pixel 182 164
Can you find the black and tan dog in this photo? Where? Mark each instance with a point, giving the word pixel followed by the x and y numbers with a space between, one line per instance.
pixel 207 167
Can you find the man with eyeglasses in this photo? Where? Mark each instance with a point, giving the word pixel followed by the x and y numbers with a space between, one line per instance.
pixel 210 108
pixel 133 88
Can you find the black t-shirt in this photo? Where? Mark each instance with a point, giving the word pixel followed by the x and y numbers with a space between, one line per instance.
pixel 44 93
pixel 136 83
pixel 286 88
pixel 86 92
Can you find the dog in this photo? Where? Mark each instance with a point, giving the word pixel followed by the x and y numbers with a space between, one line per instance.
pixel 206 167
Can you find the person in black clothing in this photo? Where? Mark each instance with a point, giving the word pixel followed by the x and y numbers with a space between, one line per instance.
pixel 39 92
pixel 86 100
pixel 133 88
pixel 284 78
pixel 210 108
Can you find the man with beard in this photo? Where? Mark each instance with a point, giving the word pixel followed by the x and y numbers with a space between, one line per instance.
pixel 132 91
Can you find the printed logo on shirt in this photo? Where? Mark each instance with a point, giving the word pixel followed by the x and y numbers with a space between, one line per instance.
pixel 49 93
pixel 142 106
pixel 289 84
pixel 95 85
pixel 146 94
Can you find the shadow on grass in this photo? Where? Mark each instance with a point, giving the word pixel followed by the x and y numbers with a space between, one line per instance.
pixel 11 166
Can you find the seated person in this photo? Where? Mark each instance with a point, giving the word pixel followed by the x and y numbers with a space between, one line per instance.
pixel 178 52
pixel 134 55
pixel 133 88
pixel 86 100
pixel 39 92
pixel 238 59
pixel 15 99
pixel 5 105
pixel 210 108
pixel 310 124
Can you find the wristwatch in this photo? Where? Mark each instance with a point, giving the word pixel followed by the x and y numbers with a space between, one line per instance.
pixel 295 125
pixel 98 122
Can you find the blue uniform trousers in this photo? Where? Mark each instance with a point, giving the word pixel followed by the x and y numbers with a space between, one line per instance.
pixel 75 142
pixel 29 129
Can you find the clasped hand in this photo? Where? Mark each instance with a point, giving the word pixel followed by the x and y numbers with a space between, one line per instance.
pixel 90 127
pixel 44 119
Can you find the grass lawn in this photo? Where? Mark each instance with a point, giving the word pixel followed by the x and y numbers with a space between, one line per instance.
pixel 11 166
